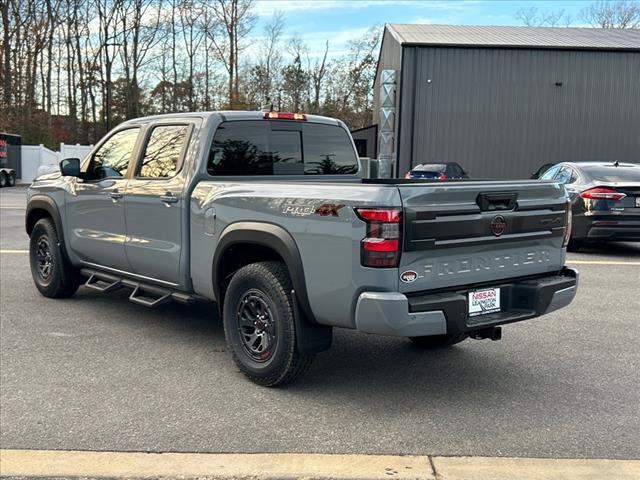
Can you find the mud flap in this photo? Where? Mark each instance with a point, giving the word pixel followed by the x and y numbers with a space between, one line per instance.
pixel 310 338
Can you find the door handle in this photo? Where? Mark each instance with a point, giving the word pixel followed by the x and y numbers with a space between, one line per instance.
pixel 168 198
pixel 115 195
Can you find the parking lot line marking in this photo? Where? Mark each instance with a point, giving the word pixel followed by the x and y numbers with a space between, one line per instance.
pixel 14 251
pixel 601 262
pixel 64 463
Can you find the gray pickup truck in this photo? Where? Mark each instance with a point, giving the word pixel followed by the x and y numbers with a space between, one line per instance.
pixel 266 215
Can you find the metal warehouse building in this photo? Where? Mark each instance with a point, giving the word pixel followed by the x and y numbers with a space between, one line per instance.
pixel 502 101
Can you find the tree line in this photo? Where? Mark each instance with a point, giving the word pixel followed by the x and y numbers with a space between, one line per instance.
pixel 599 14
pixel 70 70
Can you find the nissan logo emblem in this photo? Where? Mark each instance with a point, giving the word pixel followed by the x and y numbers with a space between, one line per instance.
pixel 498 225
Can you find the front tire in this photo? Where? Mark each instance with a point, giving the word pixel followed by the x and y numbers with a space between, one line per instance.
pixel 259 325
pixel 11 179
pixel 3 179
pixel 53 275
pixel 439 341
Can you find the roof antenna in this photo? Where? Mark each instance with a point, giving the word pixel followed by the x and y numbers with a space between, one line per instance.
pixel 616 164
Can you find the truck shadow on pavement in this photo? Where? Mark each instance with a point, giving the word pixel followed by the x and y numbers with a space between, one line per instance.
pixel 356 363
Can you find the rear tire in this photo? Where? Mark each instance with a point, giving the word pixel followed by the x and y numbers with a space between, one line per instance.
pixel 439 341
pixel 574 245
pixel 3 179
pixel 259 325
pixel 53 275
pixel 11 179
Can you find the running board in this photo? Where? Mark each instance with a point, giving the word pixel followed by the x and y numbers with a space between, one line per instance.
pixel 147 297
pixel 103 283
pixel 144 294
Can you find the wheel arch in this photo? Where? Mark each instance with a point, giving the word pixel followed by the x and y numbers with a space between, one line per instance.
pixel 39 207
pixel 262 241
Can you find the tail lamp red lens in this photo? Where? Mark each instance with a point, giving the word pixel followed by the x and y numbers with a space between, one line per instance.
pixel 442 176
pixel 285 116
pixel 381 246
pixel 603 193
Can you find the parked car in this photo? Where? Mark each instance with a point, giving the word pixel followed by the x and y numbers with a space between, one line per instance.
pixel 605 199
pixel 538 173
pixel 265 214
pixel 440 171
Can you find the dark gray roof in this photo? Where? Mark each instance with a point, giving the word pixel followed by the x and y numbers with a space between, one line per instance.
pixel 518 37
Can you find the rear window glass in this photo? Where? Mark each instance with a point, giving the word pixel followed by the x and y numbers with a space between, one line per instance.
pixel 614 174
pixel 432 167
pixel 265 147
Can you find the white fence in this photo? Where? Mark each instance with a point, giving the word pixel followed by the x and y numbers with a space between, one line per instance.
pixel 38 159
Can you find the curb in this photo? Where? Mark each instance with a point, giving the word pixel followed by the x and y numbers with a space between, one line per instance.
pixel 117 465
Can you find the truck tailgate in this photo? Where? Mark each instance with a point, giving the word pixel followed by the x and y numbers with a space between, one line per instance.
pixel 469 232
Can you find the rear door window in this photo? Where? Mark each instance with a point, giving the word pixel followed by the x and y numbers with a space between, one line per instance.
pixel 280 148
pixel 163 151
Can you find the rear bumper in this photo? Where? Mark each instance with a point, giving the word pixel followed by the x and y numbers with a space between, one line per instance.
pixel 392 313
pixel 602 228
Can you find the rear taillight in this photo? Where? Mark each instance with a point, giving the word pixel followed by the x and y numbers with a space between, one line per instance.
pixel 442 176
pixel 381 247
pixel 407 175
pixel 603 193
pixel 568 220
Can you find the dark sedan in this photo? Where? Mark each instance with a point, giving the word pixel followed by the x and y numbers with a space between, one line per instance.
pixel 605 199
pixel 439 171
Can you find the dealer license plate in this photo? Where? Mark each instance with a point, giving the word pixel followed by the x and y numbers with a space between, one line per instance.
pixel 484 301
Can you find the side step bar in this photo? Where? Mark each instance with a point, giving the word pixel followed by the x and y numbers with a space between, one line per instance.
pixel 143 294
pixel 103 283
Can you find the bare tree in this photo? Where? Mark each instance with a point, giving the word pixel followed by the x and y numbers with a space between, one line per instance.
pixel 236 21
pixel 271 56
pixel 612 14
pixel 317 73
pixel 6 53
pixel 528 16
pixel 139 37
pixel 192 36
pixel 532 17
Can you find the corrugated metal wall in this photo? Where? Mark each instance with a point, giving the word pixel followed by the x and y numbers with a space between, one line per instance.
pixel 370 136
pixel 499 112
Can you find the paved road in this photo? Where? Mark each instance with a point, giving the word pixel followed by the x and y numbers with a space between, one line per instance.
pixel 99 373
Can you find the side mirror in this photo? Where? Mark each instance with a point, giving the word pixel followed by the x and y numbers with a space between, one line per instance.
pixel 70 167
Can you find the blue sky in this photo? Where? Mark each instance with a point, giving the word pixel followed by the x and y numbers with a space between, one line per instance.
pixel 340 20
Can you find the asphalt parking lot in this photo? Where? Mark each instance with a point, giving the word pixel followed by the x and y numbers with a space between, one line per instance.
pixel 96 372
